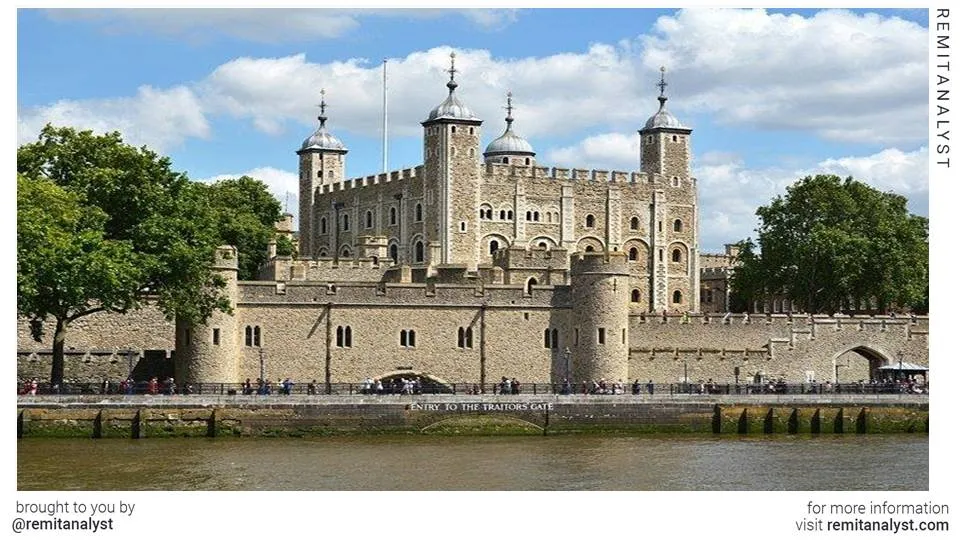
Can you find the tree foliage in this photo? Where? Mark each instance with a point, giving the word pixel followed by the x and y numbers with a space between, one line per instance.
pixel 102 226
pixel 831 242
pixel 246 216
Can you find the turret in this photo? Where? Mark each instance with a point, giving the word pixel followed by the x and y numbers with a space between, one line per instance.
pixel 665 142
pixel 509 148
pixel 451 136
pixel 600 289
pixel 322 161
pixel 210 352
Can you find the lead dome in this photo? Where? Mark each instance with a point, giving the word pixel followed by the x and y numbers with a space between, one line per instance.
pixel 509 143
pixel 321 138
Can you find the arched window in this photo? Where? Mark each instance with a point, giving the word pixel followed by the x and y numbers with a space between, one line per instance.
pixel 546 338
pixel 394 253
pixel 677 297
pixel 418 212
pixel 536 216
pixel 676 255
pixel 494 246
pixel 471 131
pixel 505 160
pixel 510 214
pixel 403 338
pixel 634 254
pixel 677 226
pixel 339 336
pixel 346 222
pixel 408 338
pixel 369 219
pixel 503 214
pixel 588 249
pixel 453 129
pixel 543 245
pixel 590 221
pixel 248 336
pixel 489 213
pixel 463 226
pixel 323 252
pixel 469 337
pixel 526 161
pixel 418 252
pixel 323 225
pixel 345 252
pixel 393 215
pixel 634 223
pixel 320 174
pixel 530 283
pixel 635 295
pixel 256 336
pixel 529 215
pixel 461 338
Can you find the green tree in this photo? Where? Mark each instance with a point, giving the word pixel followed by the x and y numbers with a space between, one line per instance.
pixel 829 242
pixel 104 226
pixel 246 217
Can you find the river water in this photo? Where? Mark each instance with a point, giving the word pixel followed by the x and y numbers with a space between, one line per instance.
pixel 567 462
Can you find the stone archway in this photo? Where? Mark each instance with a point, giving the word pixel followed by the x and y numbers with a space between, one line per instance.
pixel 429 384
pixel 856 363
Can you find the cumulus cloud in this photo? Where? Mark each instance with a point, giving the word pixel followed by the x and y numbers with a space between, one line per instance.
pixel 608 151
pixel 841 75
pixel 730 192
pixel 158 118
pixel 261 25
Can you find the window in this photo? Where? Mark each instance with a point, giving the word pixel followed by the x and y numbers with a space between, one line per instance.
pixel 344 337
pixel 542 245
pixel 465 338
pixel 248 336
pixel 623 336
pixel 418 212
pixel 536 216
pixel 588 249
pixel 675 182
pixel 394 253
pixel 676 255
pixel 601 335
pixel 494 246
pixel 463 226
pixel 369 219
pixel 633 254
pixel 677 226
pixel 660 255
pixel 418 252
pixel 256 336
pixel 529 215
pixel 453 129
pixel 677 297
pixel 576 336
pixel 659 226
pixel 649 139
pixel 510 214
pixel 634 223
pixel 674 138
pixel 393 215
pixel 530 283
pixel 323 225
pixel 590 221
pixel 216 336
pixel 526 161
pixel 546 338
pixel 472 151
pixel 503 214
pixel 346 222
pixel 408 338
pixel 635 296
pixel 471 131
pixel 554 339
pixel 505 161
pixel 320 174
pixel 345 252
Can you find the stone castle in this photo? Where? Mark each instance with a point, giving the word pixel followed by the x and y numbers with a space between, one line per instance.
pixel 474 266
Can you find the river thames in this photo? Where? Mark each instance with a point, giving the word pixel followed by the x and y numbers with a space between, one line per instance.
pixel 565 462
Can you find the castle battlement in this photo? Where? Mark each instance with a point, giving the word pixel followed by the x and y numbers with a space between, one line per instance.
pixel 608 262
pixel 520 257
pixel 374 179
pixel 502 170
pixel 715 273
pixel 838 322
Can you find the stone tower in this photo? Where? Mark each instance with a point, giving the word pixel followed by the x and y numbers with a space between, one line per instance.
pixel 665 154
pixel 600 288
pixel 210 352
pixel 322 160
pixel 451 141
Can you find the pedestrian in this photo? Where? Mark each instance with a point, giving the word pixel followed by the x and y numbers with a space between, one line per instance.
pixel 650 387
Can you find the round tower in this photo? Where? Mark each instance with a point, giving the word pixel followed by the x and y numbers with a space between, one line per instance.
pixel 210 352
pixel 600 290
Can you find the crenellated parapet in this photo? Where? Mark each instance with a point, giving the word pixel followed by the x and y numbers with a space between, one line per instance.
pixel 374 179
pixel 500 171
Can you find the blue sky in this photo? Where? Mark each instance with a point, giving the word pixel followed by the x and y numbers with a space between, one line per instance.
pixel 772 95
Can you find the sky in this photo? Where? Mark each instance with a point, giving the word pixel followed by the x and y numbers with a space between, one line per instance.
pixel 771 95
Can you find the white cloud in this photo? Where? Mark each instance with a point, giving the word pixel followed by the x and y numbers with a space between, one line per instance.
pixel 262 25
pixel 730 192
pixel 608 151
pixel 161 119
pixel 284 185
pixel 841 75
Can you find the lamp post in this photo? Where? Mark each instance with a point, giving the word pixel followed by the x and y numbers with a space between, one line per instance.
pixel 900 367
pixel 686 387
pixel 566 360
pixel 263 366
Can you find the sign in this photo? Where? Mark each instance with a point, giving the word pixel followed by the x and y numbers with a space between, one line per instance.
pixel 481 407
